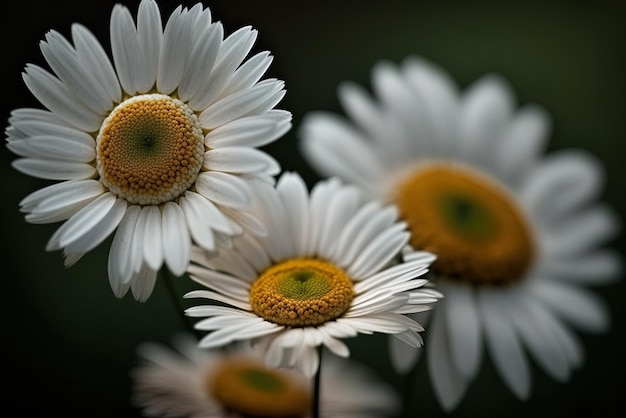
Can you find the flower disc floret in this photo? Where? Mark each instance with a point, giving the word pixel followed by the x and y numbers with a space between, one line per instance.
pixel 150 149
pixel 248 388
pixel 476 230
pixel 301 292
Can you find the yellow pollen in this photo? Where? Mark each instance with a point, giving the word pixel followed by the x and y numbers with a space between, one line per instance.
pixel 150 149
pixel 475 228
pixel 301 292
pixel 247 387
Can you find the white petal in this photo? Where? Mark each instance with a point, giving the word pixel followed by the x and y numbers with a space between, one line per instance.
pixel 101 231
pixel 334 148
pixel 369 230
pixel 143 283
pixel 64 61
pixel 293 193
pixel 152 238
pixel 249 73
pixel 175 49
pixel 239 104
pixel 37 126
pixel 463 326
pixel 251 131
pixel 53 170
pixel 201 233
pixel 96 61
pixel 60 195
pixel 581 233
pixel 526 137
pixel 576 305
pixel 440 100
pixel 201 62
pixel 239 160
pixel 223 189
pixel 598 267
pixel 55 96
pixel 339 211
pixel 504 346
pixel 533 323
pixel 448 383
pixel 82 223
pixel 150 36
pixel 120 265
pixel 486 111
pixel 53 148
pixel 403 356
pixel 176 239
pixel 563 182
pixel 232 52
pixel 380 251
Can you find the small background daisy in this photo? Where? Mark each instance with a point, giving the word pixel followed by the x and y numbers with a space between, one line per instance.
pixel 565 55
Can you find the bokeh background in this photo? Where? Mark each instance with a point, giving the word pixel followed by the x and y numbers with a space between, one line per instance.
pixel 69 343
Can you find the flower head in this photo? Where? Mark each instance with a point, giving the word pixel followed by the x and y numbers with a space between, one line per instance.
pixel 516 234
pixel 331 266
pixel 191 382
pixel 159 145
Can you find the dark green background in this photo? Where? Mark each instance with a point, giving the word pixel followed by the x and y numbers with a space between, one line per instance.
pixel 69 342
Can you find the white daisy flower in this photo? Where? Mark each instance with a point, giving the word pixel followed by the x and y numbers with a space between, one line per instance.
pixel 517 235
pixel 160 145
pixel 195 383
pixel 330 267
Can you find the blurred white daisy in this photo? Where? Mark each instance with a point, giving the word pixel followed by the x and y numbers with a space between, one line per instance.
pixel 160 145
pixel 517 235
pixel 186 381
pixel 330 267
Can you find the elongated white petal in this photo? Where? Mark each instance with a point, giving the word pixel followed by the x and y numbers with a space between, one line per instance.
pixel 92 55
pixel 239 160
pixel 143 283
pixel 120 266
pixel 64 61
pixel 54 148
pixel 449 384
pixel 54 95
pixel 101 231
pixel 128 55
pixel 504 345
pixel 576 305
pixel 224 189
pixel 174 52
pixel 251 131
pixel 175 239
pixel 54 170
pixel 239 104
pixel 152 238
pixel 463 327
pixel 81 223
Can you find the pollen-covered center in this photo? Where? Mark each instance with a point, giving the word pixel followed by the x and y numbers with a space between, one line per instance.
pixel 477 231
pixel 246 387
pixel 150 149
pixel 301 292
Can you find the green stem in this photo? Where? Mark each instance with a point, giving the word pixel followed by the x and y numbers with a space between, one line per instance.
pixel 316 386
pixel 409 380
pixel 168 278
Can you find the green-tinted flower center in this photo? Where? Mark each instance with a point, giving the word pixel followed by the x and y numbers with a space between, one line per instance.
pixel 477 231
pixel 246 387
pixel 301 292
pixel 150 149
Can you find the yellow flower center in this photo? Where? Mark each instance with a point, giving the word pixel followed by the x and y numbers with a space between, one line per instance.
pixel 150 149
pixel 301 292
pixel 248 388
pixel 470 222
